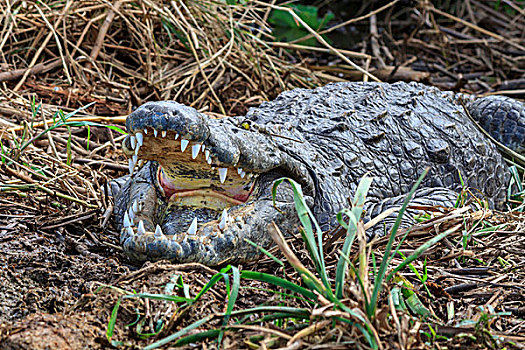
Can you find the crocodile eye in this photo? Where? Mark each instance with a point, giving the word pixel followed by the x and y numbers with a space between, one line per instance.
pixel 245 125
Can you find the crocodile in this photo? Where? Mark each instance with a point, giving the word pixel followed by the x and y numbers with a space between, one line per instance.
pixel 200 188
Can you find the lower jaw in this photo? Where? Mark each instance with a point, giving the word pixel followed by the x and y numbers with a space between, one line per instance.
pixel 175 220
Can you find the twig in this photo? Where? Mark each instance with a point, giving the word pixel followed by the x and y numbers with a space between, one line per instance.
pixel 374 43
pixel 71 219
pixel 477 28
pixel 42 47
pixel 37 69
pixel 350 21
pixel 104 29
pixel 59 46
pixel 320 38
pixel 116 120
pixel 318 49
pixel 48 134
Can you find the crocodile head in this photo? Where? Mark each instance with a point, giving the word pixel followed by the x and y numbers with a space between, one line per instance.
pixel 206 189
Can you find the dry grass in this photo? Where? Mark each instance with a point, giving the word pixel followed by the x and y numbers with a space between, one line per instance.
pixel 214 57
pixel 55 237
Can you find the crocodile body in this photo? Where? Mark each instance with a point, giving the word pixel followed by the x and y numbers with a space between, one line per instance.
pixel 184 206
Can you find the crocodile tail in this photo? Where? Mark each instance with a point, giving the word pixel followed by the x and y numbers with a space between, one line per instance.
pixel 503 118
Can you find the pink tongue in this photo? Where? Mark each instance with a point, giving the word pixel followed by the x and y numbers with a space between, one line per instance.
pixel 166 184
pixel 242 197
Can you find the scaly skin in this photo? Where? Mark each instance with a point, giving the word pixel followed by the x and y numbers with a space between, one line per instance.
pixel 326 139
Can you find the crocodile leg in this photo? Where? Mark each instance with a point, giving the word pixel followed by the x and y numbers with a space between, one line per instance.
pixel 435 196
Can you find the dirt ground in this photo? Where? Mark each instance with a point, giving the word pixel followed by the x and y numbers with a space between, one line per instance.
pixel 63 270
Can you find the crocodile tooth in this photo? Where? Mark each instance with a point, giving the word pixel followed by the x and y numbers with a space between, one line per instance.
pixel 155 132
pixel 131 165
pixel 224 217
pixel 193 227
pixel 140 229
pixel 140 138
pixel 135 158
pixel 131 214
pixel 206 153
pixel 140 162
pixel 176 136
pixel 131 232
pixel 203 147
pixel 222 174
pixel 163 133
pixel 195 151
pixel 239 171
pixel 209 160
pixel 133 141
pixel 127 222
pixel 137 150
pixel 243 174
pixel 184 144
pixel 135 206
pixel 145 131
pixel 158 231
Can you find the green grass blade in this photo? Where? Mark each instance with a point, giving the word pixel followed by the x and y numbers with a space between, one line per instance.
pixel 34 111
pixel 88 123
pixel 378 284
pixel 64 122
pixel 208 285
pixel 60 113
pixel 354 215
pixel 265 252
pixel 88 137
pixel 198 337
pixel 3 152
pixel 293 311
pixel 304 213
pixel 280 282
pixel 68 147
pixel 164 297
pixel 113 320
pixel 180 333
pixel 232 298
pixel 71 114
pixel 236 284
pixel 419 251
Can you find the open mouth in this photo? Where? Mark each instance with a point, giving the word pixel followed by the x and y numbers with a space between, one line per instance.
pixel 196 188
pixel 206 191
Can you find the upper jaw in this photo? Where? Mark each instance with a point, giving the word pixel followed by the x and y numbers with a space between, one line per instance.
pixel 227 145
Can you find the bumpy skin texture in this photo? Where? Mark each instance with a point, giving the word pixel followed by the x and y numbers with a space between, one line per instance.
pixel 393 132
pixel 503 118
pixel 327 139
